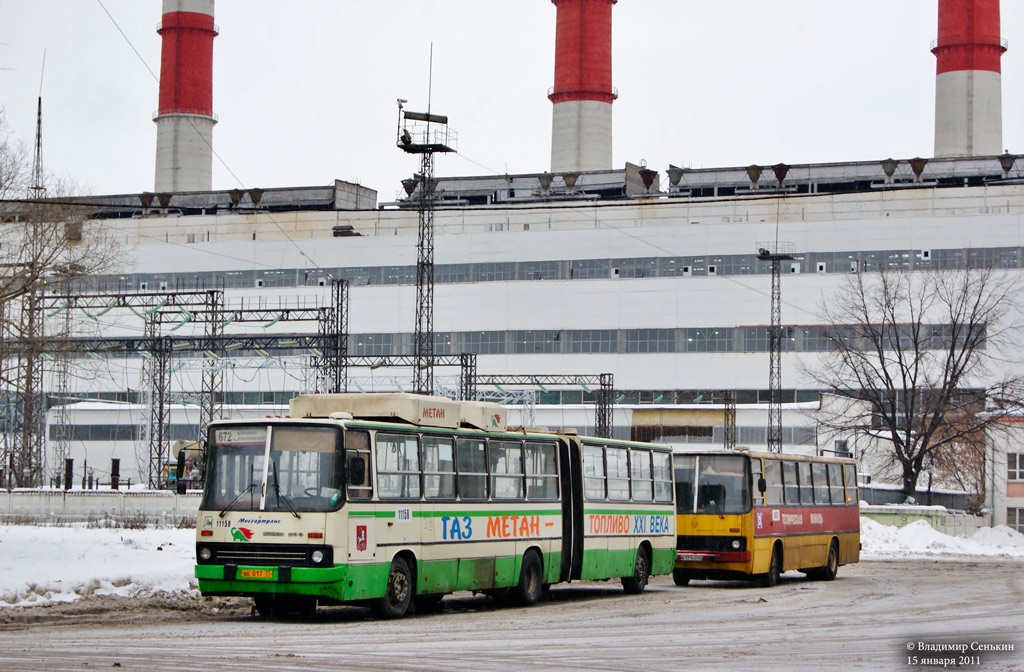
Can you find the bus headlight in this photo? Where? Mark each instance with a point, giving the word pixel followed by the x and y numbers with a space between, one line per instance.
pixel 205 553
pixel 317 557
pixel 736 544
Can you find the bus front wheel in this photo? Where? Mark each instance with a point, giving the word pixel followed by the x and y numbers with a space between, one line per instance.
pixel 681 577
pixel 774 573
pixel 398 594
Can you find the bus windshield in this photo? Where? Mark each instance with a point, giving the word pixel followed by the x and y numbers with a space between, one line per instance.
pixel 712 484
pixel 289 469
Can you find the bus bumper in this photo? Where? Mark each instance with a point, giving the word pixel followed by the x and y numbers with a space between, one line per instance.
pixel 683 558
pixel 331 582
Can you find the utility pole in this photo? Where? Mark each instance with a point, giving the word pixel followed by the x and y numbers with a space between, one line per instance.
pixel 776 258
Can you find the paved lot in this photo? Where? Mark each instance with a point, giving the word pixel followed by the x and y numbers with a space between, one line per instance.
pixel 865 620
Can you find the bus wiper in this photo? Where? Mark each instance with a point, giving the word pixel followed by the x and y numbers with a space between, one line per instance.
pixel 715 505
pixel 282 497
pixel 249 488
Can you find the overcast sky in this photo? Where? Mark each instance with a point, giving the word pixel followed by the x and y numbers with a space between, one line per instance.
pixel 305 90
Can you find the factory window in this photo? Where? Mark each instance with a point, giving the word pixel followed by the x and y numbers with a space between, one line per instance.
pixel 524 342
pixel 755 339
pixel 371 344
pixel 278 278
pixel 450 273
pixel 539 270
pixel 443 344
pixel 585 269
pixel 650 340
pixel 493 272
pixel 483 342
pixel 592 340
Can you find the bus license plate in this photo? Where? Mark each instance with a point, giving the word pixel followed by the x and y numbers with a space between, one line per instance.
pixel 256 573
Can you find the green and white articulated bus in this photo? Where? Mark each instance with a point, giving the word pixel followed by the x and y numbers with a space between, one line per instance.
pixel 395 500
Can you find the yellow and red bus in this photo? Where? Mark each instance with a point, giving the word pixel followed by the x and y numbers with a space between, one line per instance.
pixel 749 515
pixel 395 500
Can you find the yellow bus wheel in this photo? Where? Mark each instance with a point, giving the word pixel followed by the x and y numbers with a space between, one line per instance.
pixel 831 568
pixel 681 577
pixel 774 573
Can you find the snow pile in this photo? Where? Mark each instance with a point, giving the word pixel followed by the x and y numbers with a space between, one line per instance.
pixel 919 539
pixel 40 564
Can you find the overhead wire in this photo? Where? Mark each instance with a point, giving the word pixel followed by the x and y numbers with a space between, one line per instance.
pixel 220 159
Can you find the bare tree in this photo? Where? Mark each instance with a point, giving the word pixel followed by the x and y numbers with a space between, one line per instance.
pixel 45 244
pixel 915 357
pixel 14 164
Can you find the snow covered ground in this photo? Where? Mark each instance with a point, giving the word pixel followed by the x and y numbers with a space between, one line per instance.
pixel 40 564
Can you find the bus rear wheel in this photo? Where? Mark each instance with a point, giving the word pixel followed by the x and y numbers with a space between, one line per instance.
pixel 398 594
pixel 531 585
pixel 831 568
pixel 634 585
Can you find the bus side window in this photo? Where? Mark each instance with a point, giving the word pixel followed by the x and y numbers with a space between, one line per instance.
pixel 357 465
pixel 640 475
pixel 806 488
pixel 398 466
pixel 438 468
pixel 852 496
pixel 593 472
pixel 835 482
pixel 541 471
pixel 791 488
pixel 755 477
pixel 471 455
pixel 773 477
pixel 506 459
pixel 820 483
pixel 618 474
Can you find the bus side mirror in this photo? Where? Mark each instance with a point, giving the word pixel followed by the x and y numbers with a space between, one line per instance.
pixel 356 472
pixel 762 486
pixel 179 474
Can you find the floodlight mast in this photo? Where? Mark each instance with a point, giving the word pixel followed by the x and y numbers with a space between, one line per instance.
pixel 776 258
pixel 420 188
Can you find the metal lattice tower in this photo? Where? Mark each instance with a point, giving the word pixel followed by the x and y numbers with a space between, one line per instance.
pixel 729 429
pixel 332 366
pixel 423 374
pixel 776 258
pixel 22 347
pixel 30 421
pixel 425 141
pixel 604 396
pixel 62 366
pixel 211 401
pixel 38 188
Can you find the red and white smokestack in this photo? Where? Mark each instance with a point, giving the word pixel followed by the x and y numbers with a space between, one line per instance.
pixel 581 128
pixel 968 86
pixel 184 120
